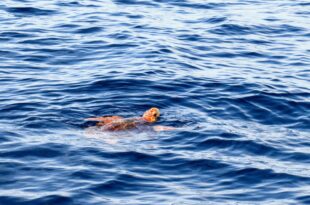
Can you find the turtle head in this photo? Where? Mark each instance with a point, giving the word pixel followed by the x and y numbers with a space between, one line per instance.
pixel 151 115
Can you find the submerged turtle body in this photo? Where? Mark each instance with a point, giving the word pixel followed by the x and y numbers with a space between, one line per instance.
pixel 122 124
pixel 117 123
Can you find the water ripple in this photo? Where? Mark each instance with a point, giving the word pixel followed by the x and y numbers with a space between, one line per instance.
pixel 233 77
pixel 29 11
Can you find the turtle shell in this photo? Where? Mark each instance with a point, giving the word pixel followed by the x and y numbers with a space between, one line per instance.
pixel 122 124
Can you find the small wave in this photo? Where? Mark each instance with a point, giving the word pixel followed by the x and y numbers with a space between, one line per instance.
pixel 198 5
pixel 41 151
pixel 135 2
pixel 215 20
pixel 253 176
pixel 89 30
pixel 231 29
pixel 16 34
pixel 42 41
pixel 30 11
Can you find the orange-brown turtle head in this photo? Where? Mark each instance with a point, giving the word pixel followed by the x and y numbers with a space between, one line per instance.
pixel 151 115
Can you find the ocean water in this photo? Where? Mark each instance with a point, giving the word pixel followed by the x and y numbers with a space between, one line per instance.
pixel 232 76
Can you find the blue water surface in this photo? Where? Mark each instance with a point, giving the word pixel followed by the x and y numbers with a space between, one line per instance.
pixel 233 76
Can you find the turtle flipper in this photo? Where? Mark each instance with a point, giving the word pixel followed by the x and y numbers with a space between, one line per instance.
pixel 159 128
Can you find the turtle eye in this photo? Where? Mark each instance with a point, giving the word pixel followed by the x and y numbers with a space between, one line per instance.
pixel 155 115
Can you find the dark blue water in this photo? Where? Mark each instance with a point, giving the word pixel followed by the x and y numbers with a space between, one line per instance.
pixel 234 76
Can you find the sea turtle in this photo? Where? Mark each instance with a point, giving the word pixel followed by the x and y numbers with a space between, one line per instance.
pixel 117 123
